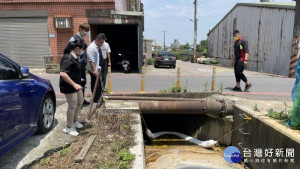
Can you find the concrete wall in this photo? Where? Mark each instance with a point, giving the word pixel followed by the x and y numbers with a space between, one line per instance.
pixel 269 32
pixel 215 128
pixel 265 133
pixel 147 47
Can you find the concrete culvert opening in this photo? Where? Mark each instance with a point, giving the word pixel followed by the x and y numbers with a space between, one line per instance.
pixel 188 124
pixel 122 39
pixel 173 152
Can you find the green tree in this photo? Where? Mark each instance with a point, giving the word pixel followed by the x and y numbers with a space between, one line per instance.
pixel 185 46
pixel 202 47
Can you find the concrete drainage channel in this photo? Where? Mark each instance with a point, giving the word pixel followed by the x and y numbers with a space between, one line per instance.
pixel 170 152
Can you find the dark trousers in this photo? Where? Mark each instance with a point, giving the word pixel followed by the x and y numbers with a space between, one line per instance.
pixel 83 83
pixel 238 71
pixel 99 88
pixel 104 70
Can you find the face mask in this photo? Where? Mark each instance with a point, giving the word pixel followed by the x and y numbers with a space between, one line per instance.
pixel 236 38
pixel 84 34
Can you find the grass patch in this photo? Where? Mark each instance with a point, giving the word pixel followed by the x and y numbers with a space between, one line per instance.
pixel 255 108
pixel 206 86
pixel 221 87
pixel 126 158
pixel 176 89
pixel 65 151
pixel 282 116
pixel 149 61
pixel 45 161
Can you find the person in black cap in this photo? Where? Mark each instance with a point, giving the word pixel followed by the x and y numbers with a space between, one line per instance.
pixel 98 54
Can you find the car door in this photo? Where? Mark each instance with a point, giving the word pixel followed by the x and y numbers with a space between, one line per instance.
pixel 10 102
pixel 17 112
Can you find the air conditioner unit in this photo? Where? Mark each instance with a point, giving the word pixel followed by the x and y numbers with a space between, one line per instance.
pixel 63 23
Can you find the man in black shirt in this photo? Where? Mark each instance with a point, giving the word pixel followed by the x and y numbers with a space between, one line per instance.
pixel 240 60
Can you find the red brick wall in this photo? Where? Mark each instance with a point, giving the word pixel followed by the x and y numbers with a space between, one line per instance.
pixel 64 9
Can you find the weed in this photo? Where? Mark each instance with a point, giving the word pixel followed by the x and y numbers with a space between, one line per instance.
pixel 125 157
pixel 174 89
pixel 163 91
pixel 185 88
pixel 108 165
pixel 255 108
pixel 125 127
pixel 206 85
pixel 45 161
pixel 282 116
pixel 214 62
pixel 96 144
pixel 221 87
pixel 261 71
pixel 149 61
pixel 119 146
pixel 65 151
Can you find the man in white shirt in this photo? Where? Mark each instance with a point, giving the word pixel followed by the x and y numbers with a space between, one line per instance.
pixel 98 54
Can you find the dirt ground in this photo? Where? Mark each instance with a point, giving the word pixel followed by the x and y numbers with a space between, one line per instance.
pixel 110 149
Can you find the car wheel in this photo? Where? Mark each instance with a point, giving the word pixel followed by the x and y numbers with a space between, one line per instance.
pixel 155 65
pixel 46 114
pixel 174 66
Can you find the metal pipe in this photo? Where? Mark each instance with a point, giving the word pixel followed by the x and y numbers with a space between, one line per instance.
pixel 187 107
pixel 149 98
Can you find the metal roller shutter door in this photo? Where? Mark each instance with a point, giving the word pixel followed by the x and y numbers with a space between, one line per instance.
pixel 25 40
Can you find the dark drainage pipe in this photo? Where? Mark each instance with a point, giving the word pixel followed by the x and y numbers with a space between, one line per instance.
pixel 187 107
pixel 149 98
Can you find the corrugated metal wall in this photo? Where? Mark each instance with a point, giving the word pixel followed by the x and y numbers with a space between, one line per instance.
pixel 269 32
pixel 25 40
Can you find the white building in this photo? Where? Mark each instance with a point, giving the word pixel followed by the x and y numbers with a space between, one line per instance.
pixel 268 27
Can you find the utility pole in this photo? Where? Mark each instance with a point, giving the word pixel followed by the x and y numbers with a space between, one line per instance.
pixel 296 40
pixel 164 39
pixel 195 31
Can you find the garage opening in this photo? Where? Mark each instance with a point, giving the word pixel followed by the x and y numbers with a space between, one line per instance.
pixel 123 39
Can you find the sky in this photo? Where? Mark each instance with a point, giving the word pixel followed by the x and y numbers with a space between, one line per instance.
pixel 174 16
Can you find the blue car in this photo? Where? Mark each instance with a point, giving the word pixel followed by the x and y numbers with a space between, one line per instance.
pixel 27 104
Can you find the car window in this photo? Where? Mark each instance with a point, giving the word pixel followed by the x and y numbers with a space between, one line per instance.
pixel 165 54
pixel 7 70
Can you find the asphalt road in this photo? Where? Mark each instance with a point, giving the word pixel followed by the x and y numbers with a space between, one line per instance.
pixel 197 78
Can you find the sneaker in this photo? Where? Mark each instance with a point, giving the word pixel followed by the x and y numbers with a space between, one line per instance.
pixel 237 89
pixel 70 130
pixel 78 125
pixel 247 87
